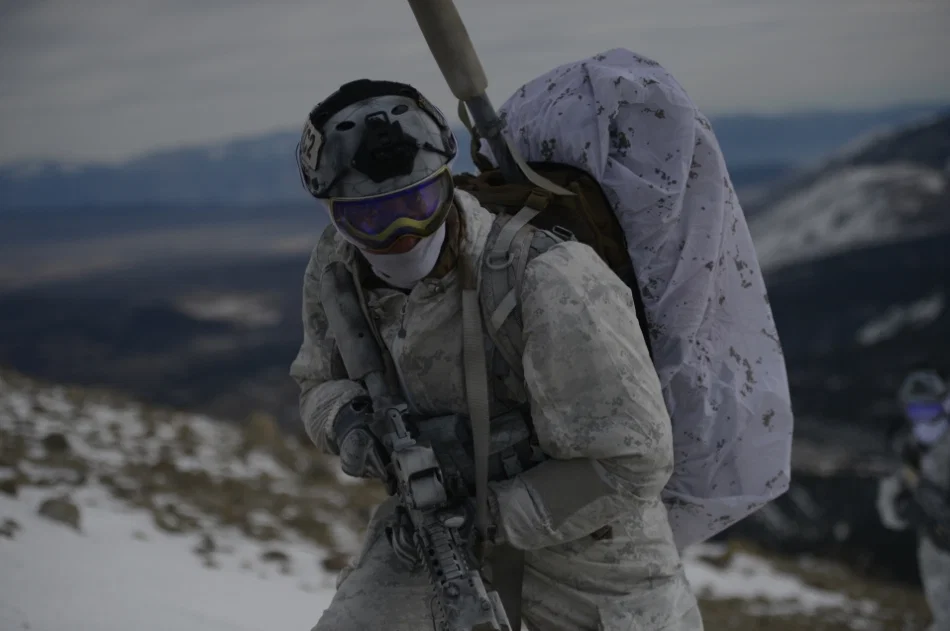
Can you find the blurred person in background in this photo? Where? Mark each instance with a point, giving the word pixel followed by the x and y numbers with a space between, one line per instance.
pixel 918 494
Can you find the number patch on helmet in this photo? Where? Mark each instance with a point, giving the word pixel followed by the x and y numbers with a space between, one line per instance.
pixel 310 144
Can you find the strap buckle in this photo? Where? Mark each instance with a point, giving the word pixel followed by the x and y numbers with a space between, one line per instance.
pixel 563 233
pixel 538 199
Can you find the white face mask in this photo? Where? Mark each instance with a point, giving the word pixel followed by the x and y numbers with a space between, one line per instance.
pixel 930 432
pixel 406 269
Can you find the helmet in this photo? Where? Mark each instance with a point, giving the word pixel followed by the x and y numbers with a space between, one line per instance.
pixel 923 396
pixel 377 153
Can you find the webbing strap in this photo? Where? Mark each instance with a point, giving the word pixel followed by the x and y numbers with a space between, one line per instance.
pixel 476 390
pixel 507 234
pixel 504 308
pixel 506 562
pixel 507 577
pixel 504 267
pixel 532 176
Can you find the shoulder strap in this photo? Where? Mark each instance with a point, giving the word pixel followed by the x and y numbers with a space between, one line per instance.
pixel 512 243
pixel 506 562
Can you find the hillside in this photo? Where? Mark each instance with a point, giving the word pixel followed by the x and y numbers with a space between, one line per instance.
pixel 892 186
pixel 115 515
pixel 854 253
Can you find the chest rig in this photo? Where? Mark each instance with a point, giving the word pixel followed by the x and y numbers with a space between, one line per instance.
pixel 512 446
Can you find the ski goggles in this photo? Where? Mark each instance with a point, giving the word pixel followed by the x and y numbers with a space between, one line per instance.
pixel 376 223
pixel 924 411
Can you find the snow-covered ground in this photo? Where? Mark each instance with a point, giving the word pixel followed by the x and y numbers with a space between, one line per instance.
pixel 120 572
pixel 114 516
pixel 852 207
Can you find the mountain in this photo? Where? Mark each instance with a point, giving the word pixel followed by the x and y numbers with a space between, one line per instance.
pixel 855 257
pixel 854 253
pixel 115 515
pixel 894 185
pixel 801 138
pixel 199 307
pixel 254 170
pixel 262 169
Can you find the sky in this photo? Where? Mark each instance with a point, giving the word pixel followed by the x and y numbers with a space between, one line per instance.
pixel 107 80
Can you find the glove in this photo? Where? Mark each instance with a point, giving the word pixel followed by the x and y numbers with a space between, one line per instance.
pixel 361 454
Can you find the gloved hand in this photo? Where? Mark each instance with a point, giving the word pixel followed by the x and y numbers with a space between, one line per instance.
pixel 361 454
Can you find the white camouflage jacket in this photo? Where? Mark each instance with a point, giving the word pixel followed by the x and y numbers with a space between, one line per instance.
pixel 595 402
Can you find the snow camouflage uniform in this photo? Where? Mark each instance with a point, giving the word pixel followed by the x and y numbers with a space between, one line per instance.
pixel 594 392
pixel 604 403
pixel 934 562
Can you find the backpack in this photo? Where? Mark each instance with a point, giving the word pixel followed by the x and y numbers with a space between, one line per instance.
pixel 704 314
pixel 584 217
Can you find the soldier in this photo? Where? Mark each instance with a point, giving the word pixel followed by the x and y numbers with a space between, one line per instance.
pixel 925 454
pixel 584 499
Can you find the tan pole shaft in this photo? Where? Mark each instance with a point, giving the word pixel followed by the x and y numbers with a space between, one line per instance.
pixel 448 39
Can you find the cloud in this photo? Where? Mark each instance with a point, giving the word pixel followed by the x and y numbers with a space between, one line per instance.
pixel 107 79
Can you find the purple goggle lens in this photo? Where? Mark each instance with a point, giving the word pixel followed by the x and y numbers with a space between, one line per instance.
pixel 377 222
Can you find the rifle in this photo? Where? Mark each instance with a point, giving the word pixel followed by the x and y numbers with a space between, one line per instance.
pixel 931 507
pixel 415 476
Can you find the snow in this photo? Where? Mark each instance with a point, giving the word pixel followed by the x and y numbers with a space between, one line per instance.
pixel 106 435
pixel 856 206
pixel 250 310
pixel 120 570
pixel 888 324
pixel 748 577
pixel 121 573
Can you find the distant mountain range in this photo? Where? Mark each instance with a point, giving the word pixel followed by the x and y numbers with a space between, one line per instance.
pixel 260 169
pixel 854 253
pixel 198 306
pixel 891 187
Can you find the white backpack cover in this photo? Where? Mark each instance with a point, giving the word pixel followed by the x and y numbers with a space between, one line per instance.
pixel 625 120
